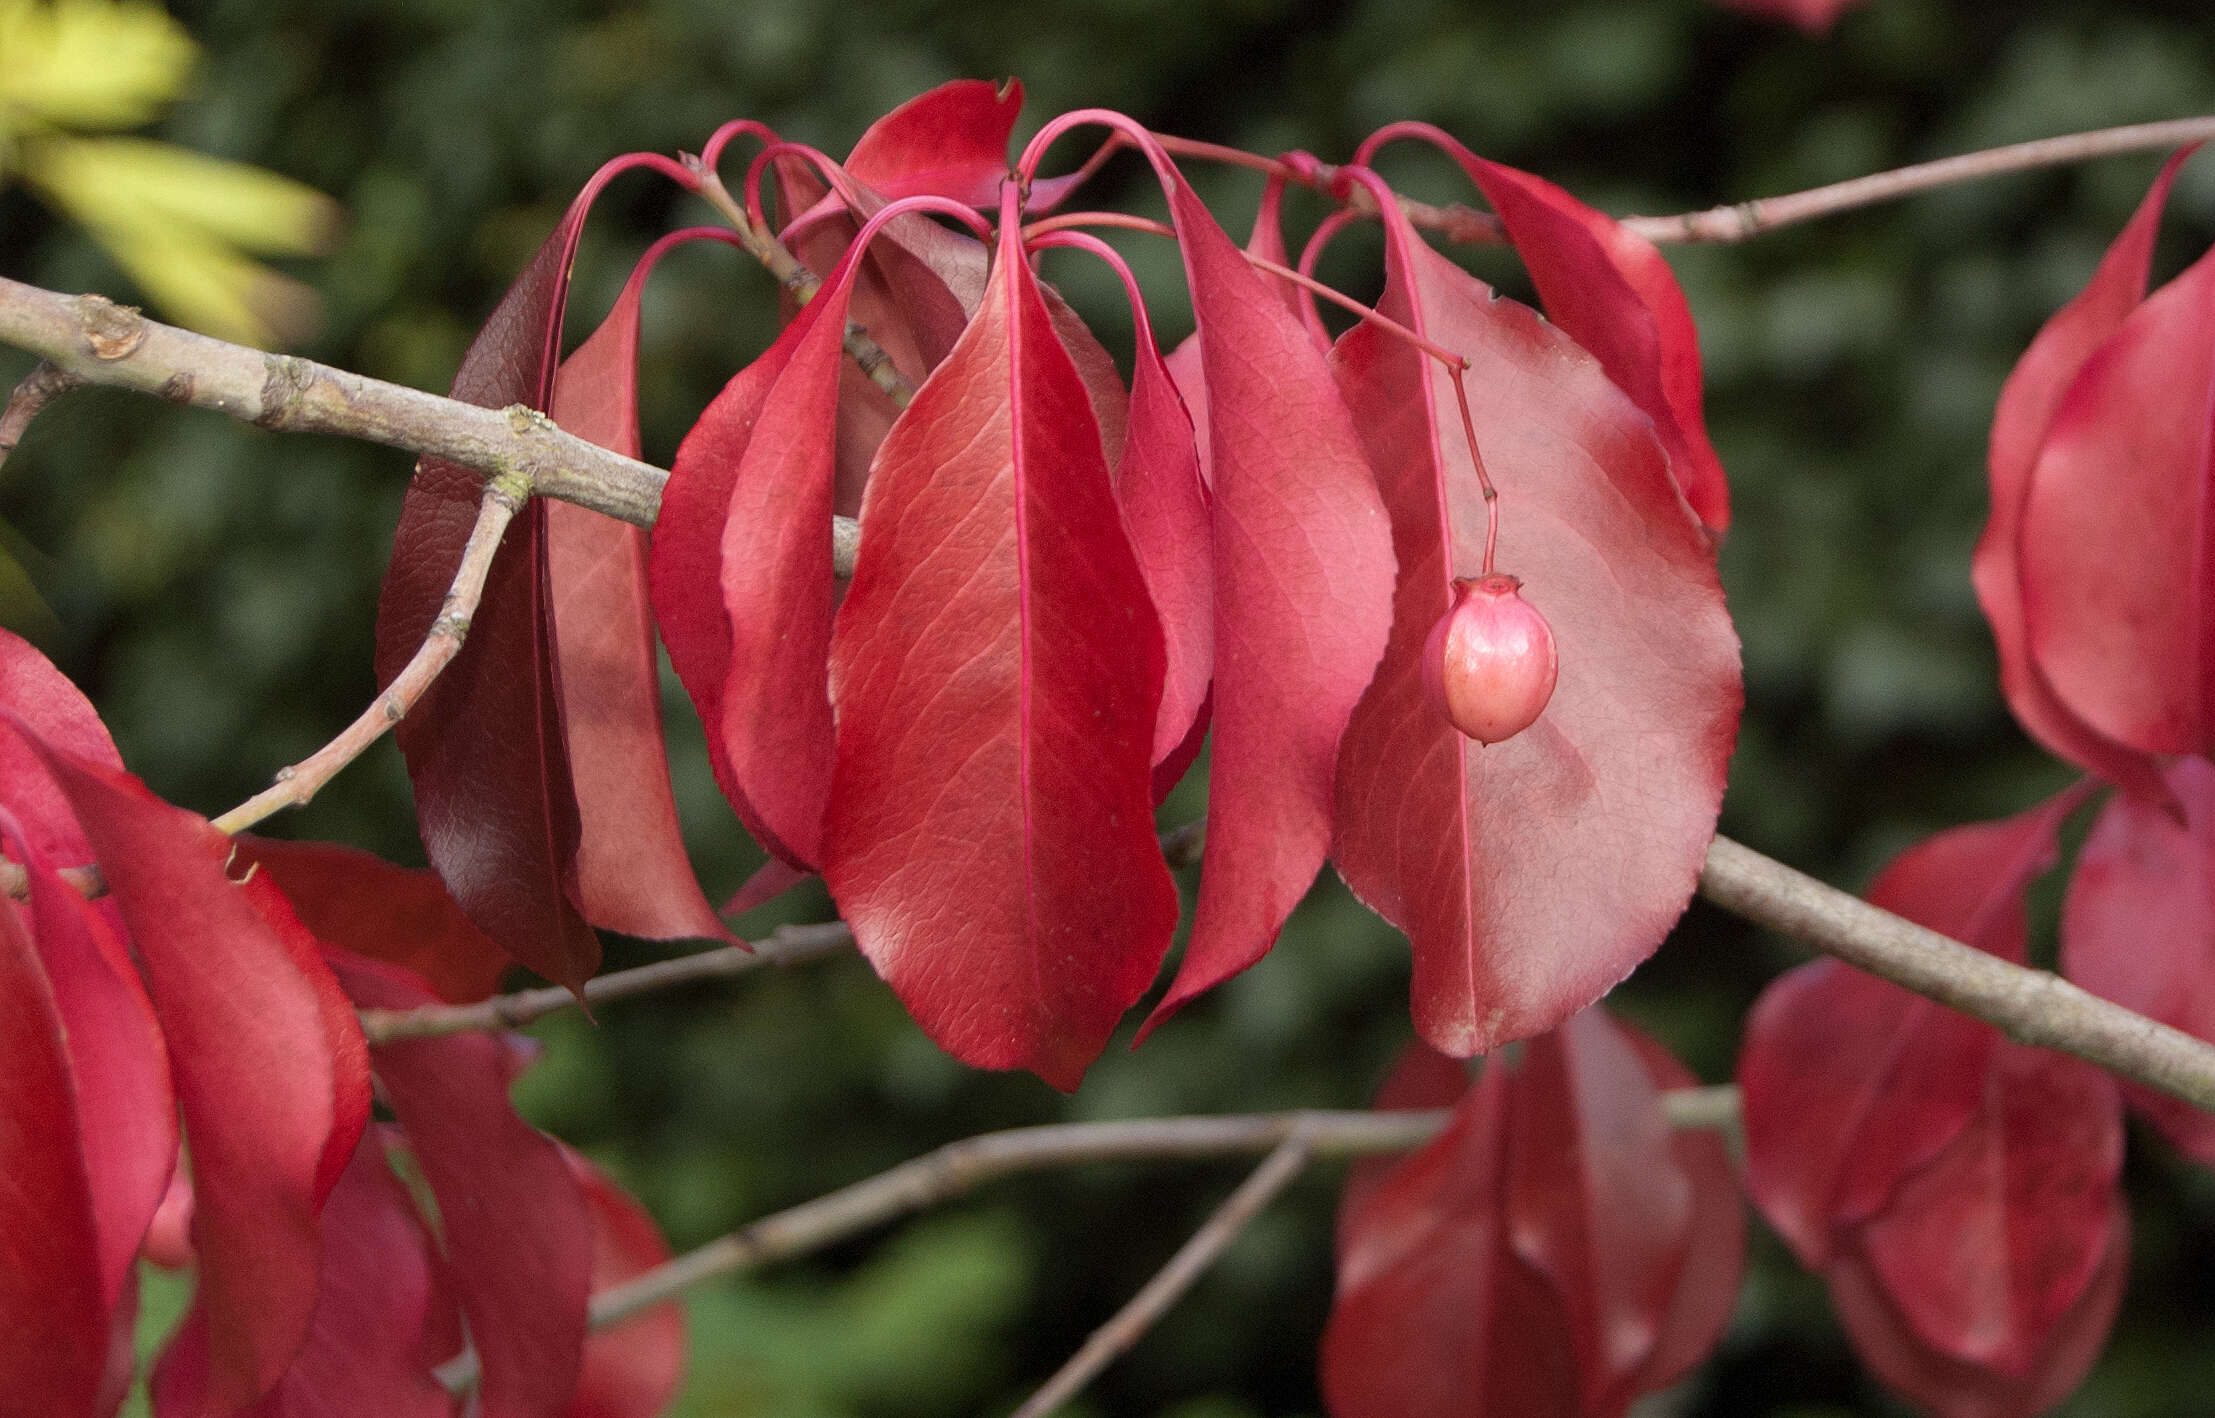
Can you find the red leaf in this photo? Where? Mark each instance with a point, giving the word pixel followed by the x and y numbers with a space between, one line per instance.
pixel 951 141
pixel 380 1308
pixel 1966 1207
pixel 485 745
pixel 53 1319
pixel 1533 874
pixel 2115 569
pixel 1302 568
pixel 770 880
pixel 997 670
pixel 363 904
pixel 517 1230
pixel 126 1112
pixel 1556 1250
pixel 267 1063
pixel 59 713
pixel 1814 16
pixel 2138 921
pixel 741 576
pixel 631 1370
pixel 2019 424
pixel 1614 294
pixel 1851 1083
pixel 632 872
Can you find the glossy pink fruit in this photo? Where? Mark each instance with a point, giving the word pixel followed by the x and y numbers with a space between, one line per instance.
pixel 1489 664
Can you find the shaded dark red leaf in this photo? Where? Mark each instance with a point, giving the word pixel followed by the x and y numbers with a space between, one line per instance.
pixel 2139 920
pixel 53 1318
pixel 632 871
pixel 1533 874
pixel 268 1065
pixel 517 1231
pixel 2019 425
pixel 361 903
pixel 1556 1250
pixel 485 747
pixel 997 670
pixel 2116 525
pixel 631 1370
pixel 1610 289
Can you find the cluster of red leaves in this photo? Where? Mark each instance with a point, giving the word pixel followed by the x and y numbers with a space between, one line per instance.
pixel 1065 584
pixel 182 1074
pixel 1555 1252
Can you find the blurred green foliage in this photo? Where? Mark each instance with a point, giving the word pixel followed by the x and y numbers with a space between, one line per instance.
pixel 213 586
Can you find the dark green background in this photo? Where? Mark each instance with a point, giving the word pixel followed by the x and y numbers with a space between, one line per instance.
pixel 214 586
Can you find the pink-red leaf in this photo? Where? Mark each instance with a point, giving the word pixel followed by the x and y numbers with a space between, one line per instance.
pixel 53 1319
pixel 268 1065
pixel 2019 425
pixel 32 689
pixel 1814 16
pixel 632 872
pixel 518 1234
pixel 485 745
pixel 997 669
pixel 2118 580
pixel 2139 923
pixel 951 142
pixel 633 1369
pixel 1533 874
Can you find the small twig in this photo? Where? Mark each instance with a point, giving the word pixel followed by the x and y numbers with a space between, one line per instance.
pixel 1748 219
pixel 787 945
pixel 299 783
pixel 45 383
pixel 2030 1006
pixel 1153 1300
pixel 763 246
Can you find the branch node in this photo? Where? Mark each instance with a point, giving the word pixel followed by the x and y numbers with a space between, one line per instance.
pixel 285 383
pixel 112 331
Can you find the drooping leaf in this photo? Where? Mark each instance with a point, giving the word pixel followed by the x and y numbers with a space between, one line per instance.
pixel 1302 574
pixel 997 670
pixel 1851 1083
pixel 741 578
pixel 53 1320
pixel 1610 289
pixel 951 142
pixel 1976 1261
pixel 119 1068
pixel 517 1231
pixel 1531 875
pixel 632 871
pixel 2118 586
pixel 2019 426
pixel 485 745
pixel 633 1369
pixel 1556 1250
pixel 2139 921
pixel 268 1066
pixel 361 903
pixel 372 1346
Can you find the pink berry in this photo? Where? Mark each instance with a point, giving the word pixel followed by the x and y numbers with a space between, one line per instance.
pixel 1489 664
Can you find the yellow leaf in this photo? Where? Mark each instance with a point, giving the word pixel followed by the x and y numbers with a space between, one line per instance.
pixel 134 180
pixel 89 63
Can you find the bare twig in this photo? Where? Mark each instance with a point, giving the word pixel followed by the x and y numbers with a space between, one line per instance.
pixel 787 945
pixel 1748 219
pixel 1153 1300
pixel 303 780
pixel 2029 1006
pixel 45 383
